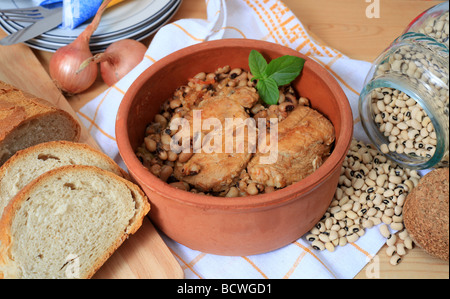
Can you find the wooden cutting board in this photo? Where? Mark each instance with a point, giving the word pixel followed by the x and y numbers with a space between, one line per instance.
pixel 144 254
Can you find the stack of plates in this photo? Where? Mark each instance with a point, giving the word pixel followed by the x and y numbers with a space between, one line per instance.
pixel 133 19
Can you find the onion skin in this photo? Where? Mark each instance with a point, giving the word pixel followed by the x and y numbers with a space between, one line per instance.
pixel 64 65
pixel 65 62
pixel 119 59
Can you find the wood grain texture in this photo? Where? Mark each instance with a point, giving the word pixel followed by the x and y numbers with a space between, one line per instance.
pixel 343 25
pixel 143 255
pixel 20 68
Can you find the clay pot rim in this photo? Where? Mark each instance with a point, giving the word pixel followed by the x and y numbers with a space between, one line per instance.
pixel 143 176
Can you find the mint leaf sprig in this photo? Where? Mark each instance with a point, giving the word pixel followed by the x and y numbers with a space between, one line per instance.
pixel 278 72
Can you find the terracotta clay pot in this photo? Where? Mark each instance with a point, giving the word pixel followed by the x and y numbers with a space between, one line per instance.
pixel 244 225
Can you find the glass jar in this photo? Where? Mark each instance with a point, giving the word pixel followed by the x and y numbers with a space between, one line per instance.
pixel 434 23
pixel 404 106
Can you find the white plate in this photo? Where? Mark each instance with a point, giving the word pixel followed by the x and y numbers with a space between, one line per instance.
pixel 148 24
pixel 136 30
pixel 114 20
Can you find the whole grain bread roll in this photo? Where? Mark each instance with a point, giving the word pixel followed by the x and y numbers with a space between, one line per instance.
pixel 426 213
pixel 26 120
pixel 27 164
pixel 68 222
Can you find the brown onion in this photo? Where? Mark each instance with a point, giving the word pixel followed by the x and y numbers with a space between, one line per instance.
pixel 66 61
pixel 118 59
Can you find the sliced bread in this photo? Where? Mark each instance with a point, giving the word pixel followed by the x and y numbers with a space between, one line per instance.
pixel 68 222
pixel 26 165
pixel 26 120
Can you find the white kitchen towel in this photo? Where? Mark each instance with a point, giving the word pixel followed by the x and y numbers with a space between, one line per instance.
pixel 273 21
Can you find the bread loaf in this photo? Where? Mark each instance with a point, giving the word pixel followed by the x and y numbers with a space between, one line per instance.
pixel 426 213
pixel 26 165
pixel 26 120
pixel 67 222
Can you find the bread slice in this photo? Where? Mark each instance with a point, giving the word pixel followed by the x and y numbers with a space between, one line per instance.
pixel 68 222
pixel 26 165
pixel 26 120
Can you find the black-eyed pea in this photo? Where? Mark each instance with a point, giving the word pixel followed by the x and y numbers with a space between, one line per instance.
pixel 334 203
pixel 338 194
pixel 401 199
pixel 379 214
pixel 166 172
pixel 403 234
pixel 324 238
pixel 252 189
pixel 150 144
pixel 161 120
pixel 408 242
pixel 397 218
pixel 386 219
pixel 162 154
pixel 384 230
pixel 401 249
pixel 361 232
pixel 223 70
pixel 184 157
pixel 180 185
pixel 391 250
pixel 391 240
pixel 335 227
pixel 372 212
pixel 314 231
pixel 166 139
pixel 235 72
pixel 329 246
pixel 318 245
pixel 200 76
pixel 233 192
pixel 155 169
pixel 344 200
pixel 354 228
pixel 321 226
pixel 347 207
pixel 352 238
pixel 389 212
pixel 395 259
pixel 289 97
pixel 311 237
pixel 333 235
pixel 375 220
pixel 171 156
pixel 397 225
pixel 340 215
pixel 286 107
pixel 342 241
pixel 352 215
pixel 303 101
pixel 328 223
pixel 335 242
pixel 356 206
pixel 367 223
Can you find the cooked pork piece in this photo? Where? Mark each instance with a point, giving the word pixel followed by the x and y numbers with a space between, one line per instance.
pixel 217 171
pixel 304 141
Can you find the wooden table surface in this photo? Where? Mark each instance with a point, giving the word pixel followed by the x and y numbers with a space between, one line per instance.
pixel 343 25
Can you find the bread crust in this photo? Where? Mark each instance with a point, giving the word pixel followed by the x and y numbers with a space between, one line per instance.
pixel 61 144
pixel 426 213
pixel 18 108
pixel 15 204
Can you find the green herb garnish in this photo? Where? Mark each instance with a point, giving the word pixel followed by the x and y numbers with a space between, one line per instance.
pixel 278 72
